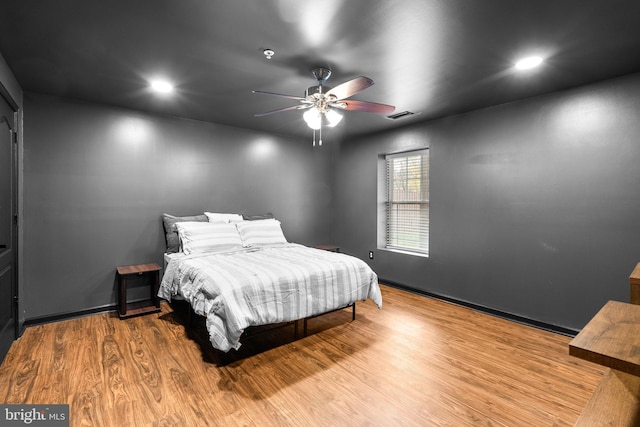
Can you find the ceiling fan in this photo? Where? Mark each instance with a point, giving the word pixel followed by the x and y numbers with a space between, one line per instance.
pixel 322 102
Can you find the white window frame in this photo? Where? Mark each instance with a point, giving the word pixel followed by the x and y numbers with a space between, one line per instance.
pixel 404 212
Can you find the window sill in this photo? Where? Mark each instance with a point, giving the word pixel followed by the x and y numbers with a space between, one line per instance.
pixel 404 252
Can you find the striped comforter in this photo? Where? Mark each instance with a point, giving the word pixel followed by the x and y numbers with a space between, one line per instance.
pixel 258 286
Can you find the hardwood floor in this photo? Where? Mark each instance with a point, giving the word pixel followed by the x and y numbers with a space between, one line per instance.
pixel 418 361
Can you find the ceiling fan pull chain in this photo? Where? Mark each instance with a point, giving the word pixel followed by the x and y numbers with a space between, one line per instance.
pixel 314 137
pixel 320 140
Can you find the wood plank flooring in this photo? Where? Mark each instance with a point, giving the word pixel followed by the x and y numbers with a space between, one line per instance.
pixel 418 361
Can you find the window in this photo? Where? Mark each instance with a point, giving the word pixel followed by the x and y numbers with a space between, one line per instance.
pixel 407 201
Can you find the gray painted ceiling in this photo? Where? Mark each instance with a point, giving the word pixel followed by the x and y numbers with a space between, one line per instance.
pixel 432 57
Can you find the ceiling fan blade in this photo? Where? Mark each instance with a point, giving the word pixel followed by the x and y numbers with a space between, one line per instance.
pixel 350 88
pixel 369 107
pixel 299 98
pixel 280 110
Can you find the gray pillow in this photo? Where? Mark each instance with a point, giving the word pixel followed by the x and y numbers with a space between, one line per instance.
pixel 170 232
pixel 257 217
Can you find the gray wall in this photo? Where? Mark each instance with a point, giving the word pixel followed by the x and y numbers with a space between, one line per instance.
pixel 535 205
pixel 97 179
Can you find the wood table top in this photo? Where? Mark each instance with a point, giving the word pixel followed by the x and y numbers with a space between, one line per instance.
pixel 136 269
pixel 611 338
pixel 634 278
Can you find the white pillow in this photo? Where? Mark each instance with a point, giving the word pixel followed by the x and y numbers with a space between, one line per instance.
pixel 223 217
pixel 260 232
pixel 200 237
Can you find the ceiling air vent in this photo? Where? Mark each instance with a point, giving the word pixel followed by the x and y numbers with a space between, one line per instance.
pixel 400 115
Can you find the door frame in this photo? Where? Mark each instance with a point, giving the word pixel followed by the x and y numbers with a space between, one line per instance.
pixel 6 97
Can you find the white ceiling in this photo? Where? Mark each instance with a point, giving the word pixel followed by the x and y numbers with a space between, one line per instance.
pixel 433 57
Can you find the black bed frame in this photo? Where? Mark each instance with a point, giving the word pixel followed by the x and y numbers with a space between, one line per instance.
pixel 191 314
pixel 304 329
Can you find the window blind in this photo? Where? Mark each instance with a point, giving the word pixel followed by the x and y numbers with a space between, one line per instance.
pixel 408 201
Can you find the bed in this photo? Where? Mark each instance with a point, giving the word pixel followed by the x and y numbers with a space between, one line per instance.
pixel 239 273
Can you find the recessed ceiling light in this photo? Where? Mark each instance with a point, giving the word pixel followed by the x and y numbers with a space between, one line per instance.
pixel 529 62
pixel 161 86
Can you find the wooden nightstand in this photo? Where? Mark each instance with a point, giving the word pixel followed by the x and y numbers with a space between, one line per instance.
pixel 151 273
pixel 330 248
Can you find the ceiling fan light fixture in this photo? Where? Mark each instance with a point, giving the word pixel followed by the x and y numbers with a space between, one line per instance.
pixel 333 117
pixel 313 118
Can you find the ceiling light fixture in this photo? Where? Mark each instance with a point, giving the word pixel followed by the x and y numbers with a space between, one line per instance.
pixel 161 86
pixel 318 116
pixel 313 118
pixel 529 63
